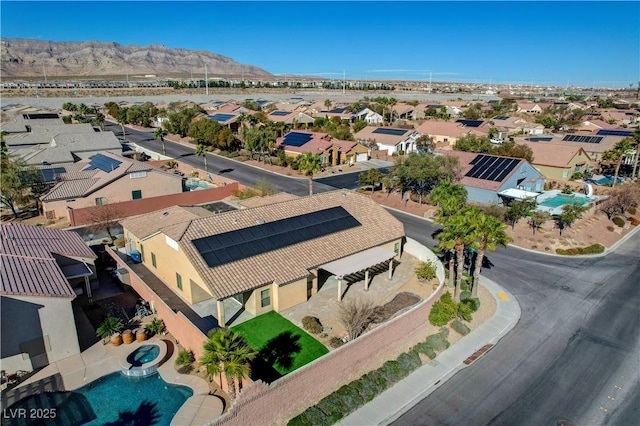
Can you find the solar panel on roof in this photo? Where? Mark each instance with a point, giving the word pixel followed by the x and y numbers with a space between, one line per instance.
pixel 221 118
pixel 43 115
pixel 583 139
pixel 337 110
pixel 49 175
pixel 539 139
pixel 280 113
pixel 102 162
pixel 501 117
pixel 389 131
pixel 614 132
pixel 243 243
pixel 470 123
pixel 296 139
pixel 489 167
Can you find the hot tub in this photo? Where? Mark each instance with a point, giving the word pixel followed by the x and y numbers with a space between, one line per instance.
pixel 144 360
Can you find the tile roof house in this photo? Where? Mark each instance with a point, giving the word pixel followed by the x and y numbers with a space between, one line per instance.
pixel 390 139
pixel 445 134
pixel 105 178
pixel 529 107
pixel 290 117
pixel 371 117
pixel 593 145
pixel 556 161
pixel 267 257
pixel 332 151
pixel 486 176
pixel 42 271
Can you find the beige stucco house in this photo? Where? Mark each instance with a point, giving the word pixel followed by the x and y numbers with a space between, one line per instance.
pixel 270 257
pixel 557 161
pixel 332 151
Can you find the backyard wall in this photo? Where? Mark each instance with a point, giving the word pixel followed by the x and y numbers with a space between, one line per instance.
pixel 292 394
pixel 81 216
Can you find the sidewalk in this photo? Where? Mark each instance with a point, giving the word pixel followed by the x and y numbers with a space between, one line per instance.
pixel 397 400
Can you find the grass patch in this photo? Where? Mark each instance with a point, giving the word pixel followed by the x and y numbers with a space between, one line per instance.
pixel 282 347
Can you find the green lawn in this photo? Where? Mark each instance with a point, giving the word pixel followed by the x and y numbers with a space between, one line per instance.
pixel 282 346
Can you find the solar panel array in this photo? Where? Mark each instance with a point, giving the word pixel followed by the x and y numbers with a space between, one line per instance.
pixel 296 138
pixel 40 115
pixel 489 167
pixel 614 132
pixel 501 117
pixel 221 118
pixel 102 162
pixel 243 243
pixel 338 110
pixel 280 113
pixel 388 131
pixel 470 123
pixel 49 175
pixel 539 139
pixel 581 138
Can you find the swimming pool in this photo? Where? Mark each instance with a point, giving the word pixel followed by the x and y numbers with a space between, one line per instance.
pixel 605 181
pixel 113 399
pixel 560 200
pixel 195 185
pixel 143 355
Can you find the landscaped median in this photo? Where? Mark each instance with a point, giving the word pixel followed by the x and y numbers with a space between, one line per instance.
pixel 282 347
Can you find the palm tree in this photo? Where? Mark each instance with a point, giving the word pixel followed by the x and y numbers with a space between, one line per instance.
pixel 489 234
pixel 98 120
pixel 636 142
pixel 310 163
pixel 457 232
pixel 616 155
pixel 226 352
pixel 201 151
pixel 109 327
pixel 160 133
pixel 449 196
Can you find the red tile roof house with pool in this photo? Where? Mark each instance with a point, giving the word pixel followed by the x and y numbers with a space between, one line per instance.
pixel 43 271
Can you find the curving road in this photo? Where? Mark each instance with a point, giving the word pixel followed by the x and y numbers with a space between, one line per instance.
pixel 574 356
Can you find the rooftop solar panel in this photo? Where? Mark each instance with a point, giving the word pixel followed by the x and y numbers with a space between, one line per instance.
pixel 296 139
pixel 49 175
pixel 501 117
pixel 221 118
pixel 337 110
pixel 280 113
pixel 470 123
pixel 102 162
pixel 36 116
pixel 614 132
pixel 540 139
pixel 228 247
pixel 583 139
pixel 489 167
pixel 389 131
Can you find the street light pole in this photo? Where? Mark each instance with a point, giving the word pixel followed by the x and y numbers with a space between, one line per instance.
pixel 206 78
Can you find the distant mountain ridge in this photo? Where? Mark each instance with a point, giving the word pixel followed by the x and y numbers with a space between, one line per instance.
pixel 30 58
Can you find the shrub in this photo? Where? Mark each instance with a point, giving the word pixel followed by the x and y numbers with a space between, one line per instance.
pixel 460 327
pixel 350 397
pixel 426 271
pixel 592 249
pixel 464 312
pixel 440 314
pixel 632 210
pixel 618 221
pixel 438 342
pixel 310 417
pixel 424 348
pixel 184 360
pixel 109 327
pixel 576 175
pixel 409 361
pixel 312 325
pixel 400 152
pixel 365 389
pixel 155 327
pixel 392 371
pixel 610 228
pixel 464 295
pixel 567 189
pixel 634 221
pixel 473 303
pixel 335 342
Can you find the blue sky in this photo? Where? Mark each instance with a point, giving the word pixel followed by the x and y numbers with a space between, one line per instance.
pixel 574 43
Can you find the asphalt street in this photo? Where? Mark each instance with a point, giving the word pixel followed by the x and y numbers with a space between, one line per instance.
pixel 573 357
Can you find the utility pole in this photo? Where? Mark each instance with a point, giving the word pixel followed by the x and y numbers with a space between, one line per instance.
pixel 44 71
pixel 206 78
pixel 344 80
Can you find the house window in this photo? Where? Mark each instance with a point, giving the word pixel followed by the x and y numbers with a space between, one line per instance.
pixel 396 248
pixel 153 260
pixel 265 298
pixel 179 280
pixel 100 201
pixel 136 195
pixel 565 174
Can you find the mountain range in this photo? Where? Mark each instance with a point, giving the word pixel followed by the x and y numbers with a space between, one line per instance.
pixel 32 58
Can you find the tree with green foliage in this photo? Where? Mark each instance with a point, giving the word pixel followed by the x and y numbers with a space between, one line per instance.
pixel 204 131
pixel 616 155
pixel 449 196
pixel 109 327
pixel 473 111
pixel 226 352
pixel 473 143
pixel 359 125
pixel 201 151
pixel 511 149
pixel 113 109
pixel 517 209
pixel 370 178
pixel 425 143
pixel 179 118
pixel 636 144
pixel 570 213
pixel 310 164
pixel 160 133
pixel 19 183
pixel 421 172
pixel 537 220
pixel 488 233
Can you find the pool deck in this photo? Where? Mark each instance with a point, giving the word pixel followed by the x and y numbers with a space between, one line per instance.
pixel 547 195
pixel 100 360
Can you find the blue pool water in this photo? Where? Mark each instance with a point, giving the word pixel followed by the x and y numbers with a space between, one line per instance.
pixel 144 354
pixel 560 200
pixel 110 400
pixel 192 186
pixel 605 181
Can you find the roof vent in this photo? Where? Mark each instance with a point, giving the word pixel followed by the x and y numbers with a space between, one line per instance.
pixel 261 221
pixel 165 213
pixel 200 231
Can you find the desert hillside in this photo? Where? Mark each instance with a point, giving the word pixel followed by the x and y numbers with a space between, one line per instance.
pixel 31 58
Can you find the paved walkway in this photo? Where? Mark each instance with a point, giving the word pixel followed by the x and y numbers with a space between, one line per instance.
pixel 397 400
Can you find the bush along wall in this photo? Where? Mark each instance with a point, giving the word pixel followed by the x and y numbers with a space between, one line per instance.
pixel 352 396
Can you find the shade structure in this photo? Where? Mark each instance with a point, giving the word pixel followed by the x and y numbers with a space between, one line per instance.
pixel 358 262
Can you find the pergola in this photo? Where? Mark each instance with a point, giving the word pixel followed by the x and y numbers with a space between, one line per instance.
pixel 359 262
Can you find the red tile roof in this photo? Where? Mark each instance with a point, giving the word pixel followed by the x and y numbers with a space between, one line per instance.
pixel 28 265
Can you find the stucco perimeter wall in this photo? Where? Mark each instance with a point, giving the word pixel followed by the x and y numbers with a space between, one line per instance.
pixel 177 324
pixel 292 394
pixel 423 254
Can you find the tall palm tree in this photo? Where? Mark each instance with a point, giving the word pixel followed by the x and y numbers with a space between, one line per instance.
pixel 489 233
pixel 457 232
pixel 98 120
pixel 449 196
pixel 636 142
pixel 616 155
pixel 310 163
pixel 201 151
pixel 226 352
pixel 160 133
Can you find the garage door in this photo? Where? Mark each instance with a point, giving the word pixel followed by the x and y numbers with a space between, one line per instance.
pixel 362 157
